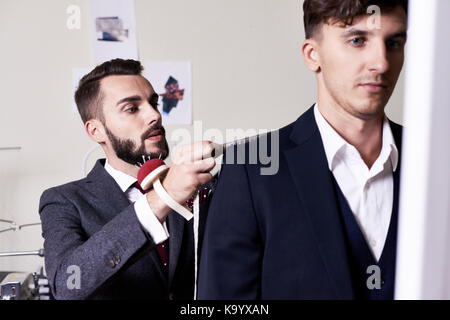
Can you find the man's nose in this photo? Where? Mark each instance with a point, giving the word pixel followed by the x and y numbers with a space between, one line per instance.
pixel 151 115
pixel 378 60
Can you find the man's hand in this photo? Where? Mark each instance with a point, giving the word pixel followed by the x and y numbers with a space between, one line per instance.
pixel 189 170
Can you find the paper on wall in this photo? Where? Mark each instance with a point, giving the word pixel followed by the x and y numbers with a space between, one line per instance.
pixel 173 82
pixel 113 30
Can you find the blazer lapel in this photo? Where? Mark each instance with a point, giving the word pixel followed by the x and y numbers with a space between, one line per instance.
pixel 308 165
pixel 103 187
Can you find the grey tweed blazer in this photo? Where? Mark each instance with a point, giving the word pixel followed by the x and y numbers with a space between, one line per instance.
pixel 95 247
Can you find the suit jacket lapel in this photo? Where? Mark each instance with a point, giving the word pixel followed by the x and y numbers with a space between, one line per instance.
pixel 308 165
pixel 104 187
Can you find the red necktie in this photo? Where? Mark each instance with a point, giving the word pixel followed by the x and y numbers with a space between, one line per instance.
pixel 162 248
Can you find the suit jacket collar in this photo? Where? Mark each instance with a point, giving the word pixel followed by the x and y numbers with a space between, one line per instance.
pixel 306 126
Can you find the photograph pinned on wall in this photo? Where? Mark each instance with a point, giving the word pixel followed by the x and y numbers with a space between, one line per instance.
pixel 173 82
pixel 113 30
pixel 110 29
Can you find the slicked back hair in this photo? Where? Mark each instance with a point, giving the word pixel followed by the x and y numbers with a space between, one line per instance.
pixel 88 95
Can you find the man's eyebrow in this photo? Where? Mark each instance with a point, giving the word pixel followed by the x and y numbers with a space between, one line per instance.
pixel 354 32
pixel 400 34
pixel 129 99
pixel 357 32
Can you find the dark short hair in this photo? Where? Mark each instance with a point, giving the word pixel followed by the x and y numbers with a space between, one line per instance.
pixel 316 12
pixel 88 96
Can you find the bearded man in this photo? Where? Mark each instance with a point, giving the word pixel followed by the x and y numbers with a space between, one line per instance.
pixel 105 238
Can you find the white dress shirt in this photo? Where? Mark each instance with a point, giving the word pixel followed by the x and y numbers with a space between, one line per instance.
pixel 157 230
pixel 369 193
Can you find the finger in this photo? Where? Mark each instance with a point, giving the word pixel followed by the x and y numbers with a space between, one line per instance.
pixel 217 149
pixel 204 178
pixel 204 165
pixel 196 151
pixel 202 150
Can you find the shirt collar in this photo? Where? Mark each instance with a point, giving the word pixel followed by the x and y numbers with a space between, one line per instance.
pixel 333 142
pixel 389 149
pixel 122 179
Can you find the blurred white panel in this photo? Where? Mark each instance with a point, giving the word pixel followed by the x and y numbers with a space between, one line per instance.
pixel 423 244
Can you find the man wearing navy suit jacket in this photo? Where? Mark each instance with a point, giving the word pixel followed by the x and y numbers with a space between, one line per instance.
pixel 105 239
pixel 325 225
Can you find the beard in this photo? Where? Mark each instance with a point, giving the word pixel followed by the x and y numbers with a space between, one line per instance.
pixel 127 150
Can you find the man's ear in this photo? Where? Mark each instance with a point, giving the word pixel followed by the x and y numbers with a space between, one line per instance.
pixel 95 130
pixel 311 55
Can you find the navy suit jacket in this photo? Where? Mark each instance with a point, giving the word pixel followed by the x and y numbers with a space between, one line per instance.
pixel 90 224
pixel 278 236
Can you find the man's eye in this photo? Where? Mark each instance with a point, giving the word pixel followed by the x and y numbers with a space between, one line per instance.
pixel 393 44
pixel 132 109
pixel 357 41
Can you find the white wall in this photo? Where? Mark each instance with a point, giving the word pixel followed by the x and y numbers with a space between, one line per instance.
pixel 247 73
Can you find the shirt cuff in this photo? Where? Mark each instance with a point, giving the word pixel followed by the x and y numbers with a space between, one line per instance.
pixel 157 230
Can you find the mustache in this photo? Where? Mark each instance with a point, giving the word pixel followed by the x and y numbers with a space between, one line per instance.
pixel 150 131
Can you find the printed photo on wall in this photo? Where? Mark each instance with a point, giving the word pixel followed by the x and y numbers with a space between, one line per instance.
pixel 110 29
pixel 172 81
pixel 113 30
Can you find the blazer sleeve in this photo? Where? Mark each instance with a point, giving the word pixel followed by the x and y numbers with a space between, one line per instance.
pixel 69 252
pixel 231 253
